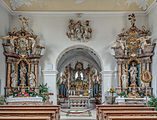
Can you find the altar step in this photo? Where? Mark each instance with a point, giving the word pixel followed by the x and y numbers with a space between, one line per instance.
pixel 82 116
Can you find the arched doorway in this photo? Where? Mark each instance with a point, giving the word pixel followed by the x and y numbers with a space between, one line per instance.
pixel 79 75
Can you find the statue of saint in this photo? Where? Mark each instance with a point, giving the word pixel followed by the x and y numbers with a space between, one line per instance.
pixel 133 73
pixel 71 33
pixel 124 78
pixel 79 30
pixel 23 72
pixel 13 79
pixel 32 80
pixel 79 82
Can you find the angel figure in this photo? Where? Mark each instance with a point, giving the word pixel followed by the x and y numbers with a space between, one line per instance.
pixel 121 43
pixel 144 41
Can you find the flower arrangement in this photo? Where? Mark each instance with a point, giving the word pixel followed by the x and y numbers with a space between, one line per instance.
pixel 23 92
pixel 112 90
pixel 152 102
pixel 43 90
pixel 144 92
pixel 123 93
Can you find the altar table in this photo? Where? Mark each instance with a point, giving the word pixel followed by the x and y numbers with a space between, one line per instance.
pixel 24 100
pixel 79 102
pixel 131 100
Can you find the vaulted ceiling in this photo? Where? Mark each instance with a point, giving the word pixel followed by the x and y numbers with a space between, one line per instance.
pixel 80 5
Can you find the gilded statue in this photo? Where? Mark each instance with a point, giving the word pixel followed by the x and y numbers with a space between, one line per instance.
pixel 79 83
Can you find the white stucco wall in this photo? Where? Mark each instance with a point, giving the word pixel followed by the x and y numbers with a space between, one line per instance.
pixel 52 31
pixel 152 23
pixel 5 18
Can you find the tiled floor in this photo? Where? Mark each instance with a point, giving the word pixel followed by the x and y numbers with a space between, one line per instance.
pixel 82 116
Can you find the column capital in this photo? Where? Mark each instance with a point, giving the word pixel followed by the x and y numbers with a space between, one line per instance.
pixel 50 72
pixel 109 73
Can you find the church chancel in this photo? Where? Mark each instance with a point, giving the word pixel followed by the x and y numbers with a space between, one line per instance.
pixel 78 83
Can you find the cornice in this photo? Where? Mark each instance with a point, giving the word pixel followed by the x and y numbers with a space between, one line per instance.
pixel 151 7
pixel 69 12
pixel 6 7
pixel 49 72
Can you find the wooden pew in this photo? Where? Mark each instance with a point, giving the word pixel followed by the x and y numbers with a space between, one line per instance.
pixel 35 114
pixel 124 109
pixel 123 105
pixel 55 109
pixel 34 106
pixel 133 118
pixel 129 113
pixel 24 118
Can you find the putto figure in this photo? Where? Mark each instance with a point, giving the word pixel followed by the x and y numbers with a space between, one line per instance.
pixel 79 31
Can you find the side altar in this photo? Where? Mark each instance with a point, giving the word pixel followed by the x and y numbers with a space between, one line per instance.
pixel 133 52
pixel 22 51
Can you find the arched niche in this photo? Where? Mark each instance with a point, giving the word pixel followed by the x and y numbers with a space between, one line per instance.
pixel 79 60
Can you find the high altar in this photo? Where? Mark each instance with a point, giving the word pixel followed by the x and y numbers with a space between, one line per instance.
pixel 22 51
pixel 133 52
pixel 79 83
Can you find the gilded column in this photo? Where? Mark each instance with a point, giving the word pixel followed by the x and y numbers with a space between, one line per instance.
pixel 69 79
pixel 8 75
pixel 126 67
pixel 120 74
pixel 148 68
pixel 36 75
pixel 140 82
pixel 89 81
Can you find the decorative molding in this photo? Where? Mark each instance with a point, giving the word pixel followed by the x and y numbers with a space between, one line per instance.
pixel 151 7
pixel 6 7
pixel 70 12
pixel 140 3
pixel 109 73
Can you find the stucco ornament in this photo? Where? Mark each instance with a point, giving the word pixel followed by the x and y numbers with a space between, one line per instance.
pixel 141 3
pixel 79 30
pixel 18 3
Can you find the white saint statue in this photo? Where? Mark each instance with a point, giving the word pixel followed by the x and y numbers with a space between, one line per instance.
pixel 23 72
pixel 133 73
pixel 13 79
pixel 32 80
pixel 124 78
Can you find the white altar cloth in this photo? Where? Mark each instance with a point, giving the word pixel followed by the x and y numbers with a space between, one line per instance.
pixel 138 100
pixel 24 99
